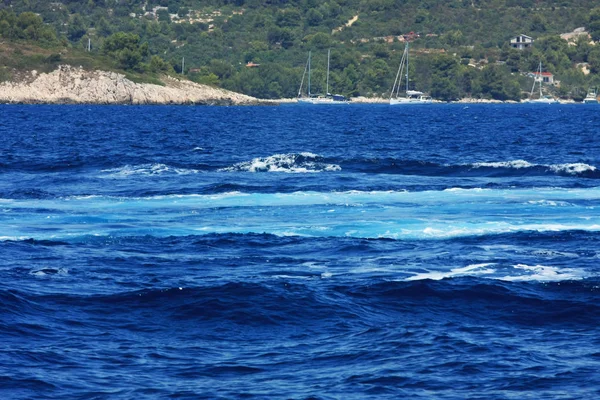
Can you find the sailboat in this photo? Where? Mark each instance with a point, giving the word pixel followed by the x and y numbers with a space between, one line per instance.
pixel 591 98
pixel 328 98
pixel 411 96
pixel 542 99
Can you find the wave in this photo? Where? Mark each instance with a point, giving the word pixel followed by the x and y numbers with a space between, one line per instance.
pixel 310 163
pixel 574 169
pixel 290 163
pixel 147 169
pixel 522 302
pixel 295 302
pixel 516 273
pixel 401 215
pixel 513 168
pixel 307 162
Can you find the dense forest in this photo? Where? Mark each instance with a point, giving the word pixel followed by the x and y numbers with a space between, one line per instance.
pixel 460 48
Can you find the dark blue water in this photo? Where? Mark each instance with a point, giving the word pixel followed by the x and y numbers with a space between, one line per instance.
pixel 367 251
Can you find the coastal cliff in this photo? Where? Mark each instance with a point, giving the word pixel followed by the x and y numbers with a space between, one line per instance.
pixel 72 85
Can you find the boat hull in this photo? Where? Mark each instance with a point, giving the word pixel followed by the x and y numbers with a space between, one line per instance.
pixel 408 101
pixel 322 101
pixel 543 101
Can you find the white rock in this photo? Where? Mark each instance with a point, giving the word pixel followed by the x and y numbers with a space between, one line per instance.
pixel 75 85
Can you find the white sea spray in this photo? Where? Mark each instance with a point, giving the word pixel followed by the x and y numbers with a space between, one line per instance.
pixel 147 169
pixel 469 270
pixel 524 272
pixel 301 163
pixel 568 168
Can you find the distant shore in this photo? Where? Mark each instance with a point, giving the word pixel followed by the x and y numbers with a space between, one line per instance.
pixel 381 100
pixel 71 85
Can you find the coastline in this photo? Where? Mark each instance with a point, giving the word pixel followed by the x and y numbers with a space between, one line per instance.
pixel 72 85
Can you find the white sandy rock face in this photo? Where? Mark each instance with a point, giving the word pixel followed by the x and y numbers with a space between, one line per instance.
pixel 75 85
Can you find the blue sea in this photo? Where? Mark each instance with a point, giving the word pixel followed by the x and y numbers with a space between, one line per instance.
pixel 300 252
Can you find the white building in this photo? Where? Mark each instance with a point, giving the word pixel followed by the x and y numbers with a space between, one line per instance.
pixel 521 42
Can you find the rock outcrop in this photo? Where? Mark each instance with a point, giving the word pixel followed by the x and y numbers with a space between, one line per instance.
pixel 71 85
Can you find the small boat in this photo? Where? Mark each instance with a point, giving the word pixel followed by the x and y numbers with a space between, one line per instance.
pixel 411 96
pixel 591 98
pixel 542 99
pixel 328 98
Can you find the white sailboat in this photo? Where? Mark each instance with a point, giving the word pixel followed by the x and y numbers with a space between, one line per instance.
pixel 542 99
pixel 591 98
pixel 411 96
pixel 328 98
pixel 301 98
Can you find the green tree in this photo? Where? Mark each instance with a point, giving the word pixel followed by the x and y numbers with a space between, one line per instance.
pixel 497 84
pixel 282 36
pixel 103 28
pixel 538 23
pixel 319 40
pixel 443 88
pixel 126 49
pixel 594 60
pixel 28 26
pixel 376 77
pixel 313 17
pixel 158 65
pixel 594 24
pixel 76 28
pixel 288 18
pixel 163 15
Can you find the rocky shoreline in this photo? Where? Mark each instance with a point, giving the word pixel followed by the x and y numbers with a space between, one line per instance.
pixel 72 85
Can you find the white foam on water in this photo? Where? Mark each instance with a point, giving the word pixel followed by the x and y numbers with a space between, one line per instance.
pixel 543 273
pixel 49 272
pixel 313 265
pixel 469 270
pixel 83 197
pixel 466 190
pixel 292 277
pixel 571 169
pixel 400 215
pixel 550 203
pixel 519 273
pixel 553 254
pixel 389 200
pixel 308 154
pixel 147 170
pixel 13 238
pixel 517 164
pixel 287 163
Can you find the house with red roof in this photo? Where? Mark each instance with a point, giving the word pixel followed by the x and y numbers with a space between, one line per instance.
pixel 545 77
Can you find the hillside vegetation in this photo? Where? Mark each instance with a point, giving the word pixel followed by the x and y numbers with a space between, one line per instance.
pixel 260 48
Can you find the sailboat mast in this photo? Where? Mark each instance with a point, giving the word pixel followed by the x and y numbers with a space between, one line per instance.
pixel 327 82
pixel 407 65
pixel 309 73
pixel 302 81
pixel 541 79
pixel 398 80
